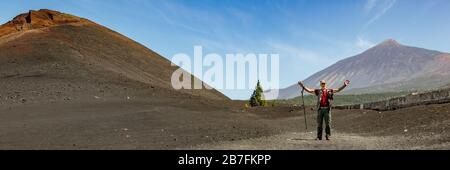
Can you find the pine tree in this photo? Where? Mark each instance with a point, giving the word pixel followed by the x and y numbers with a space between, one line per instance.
pixel 257 98
pixel 260 95
pixel 253 100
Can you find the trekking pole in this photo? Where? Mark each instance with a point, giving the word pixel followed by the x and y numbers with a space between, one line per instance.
pixel 304 110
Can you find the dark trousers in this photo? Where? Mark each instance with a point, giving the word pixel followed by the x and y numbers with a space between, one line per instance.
pixel 323 114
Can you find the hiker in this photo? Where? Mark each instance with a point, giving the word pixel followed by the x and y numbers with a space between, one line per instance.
pixel 324 102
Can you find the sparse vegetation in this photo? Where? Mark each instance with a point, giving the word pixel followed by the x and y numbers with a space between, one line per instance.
pixel 274 103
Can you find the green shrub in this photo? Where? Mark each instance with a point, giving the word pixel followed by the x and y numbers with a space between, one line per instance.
pixel 257 98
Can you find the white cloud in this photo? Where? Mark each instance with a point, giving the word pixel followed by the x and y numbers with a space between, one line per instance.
pixel 188 18
pixel 244 17
pixel 363 44
pixel 381 8
pixel 369 5
pixel 292 51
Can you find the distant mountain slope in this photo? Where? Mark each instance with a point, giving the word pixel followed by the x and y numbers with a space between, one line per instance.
pixel 389 66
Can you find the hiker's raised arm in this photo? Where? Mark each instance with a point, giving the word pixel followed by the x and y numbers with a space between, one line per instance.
pixel 346 83
pixel 306 88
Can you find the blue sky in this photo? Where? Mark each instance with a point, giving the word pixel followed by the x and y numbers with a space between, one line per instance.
pixel 308 35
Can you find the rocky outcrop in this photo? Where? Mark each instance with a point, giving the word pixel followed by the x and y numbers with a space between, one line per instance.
pixel 37 19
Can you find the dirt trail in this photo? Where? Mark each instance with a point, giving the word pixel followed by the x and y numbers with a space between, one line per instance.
pixel 301 141
pixel 306 141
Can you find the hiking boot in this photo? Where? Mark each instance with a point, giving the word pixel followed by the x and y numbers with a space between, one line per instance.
pixel 327 137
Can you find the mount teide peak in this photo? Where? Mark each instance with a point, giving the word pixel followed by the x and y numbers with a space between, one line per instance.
pixel 48 55
pixel 388 66
pixel 389 43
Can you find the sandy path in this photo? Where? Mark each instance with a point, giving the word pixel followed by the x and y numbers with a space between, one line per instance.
pixel 305 141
